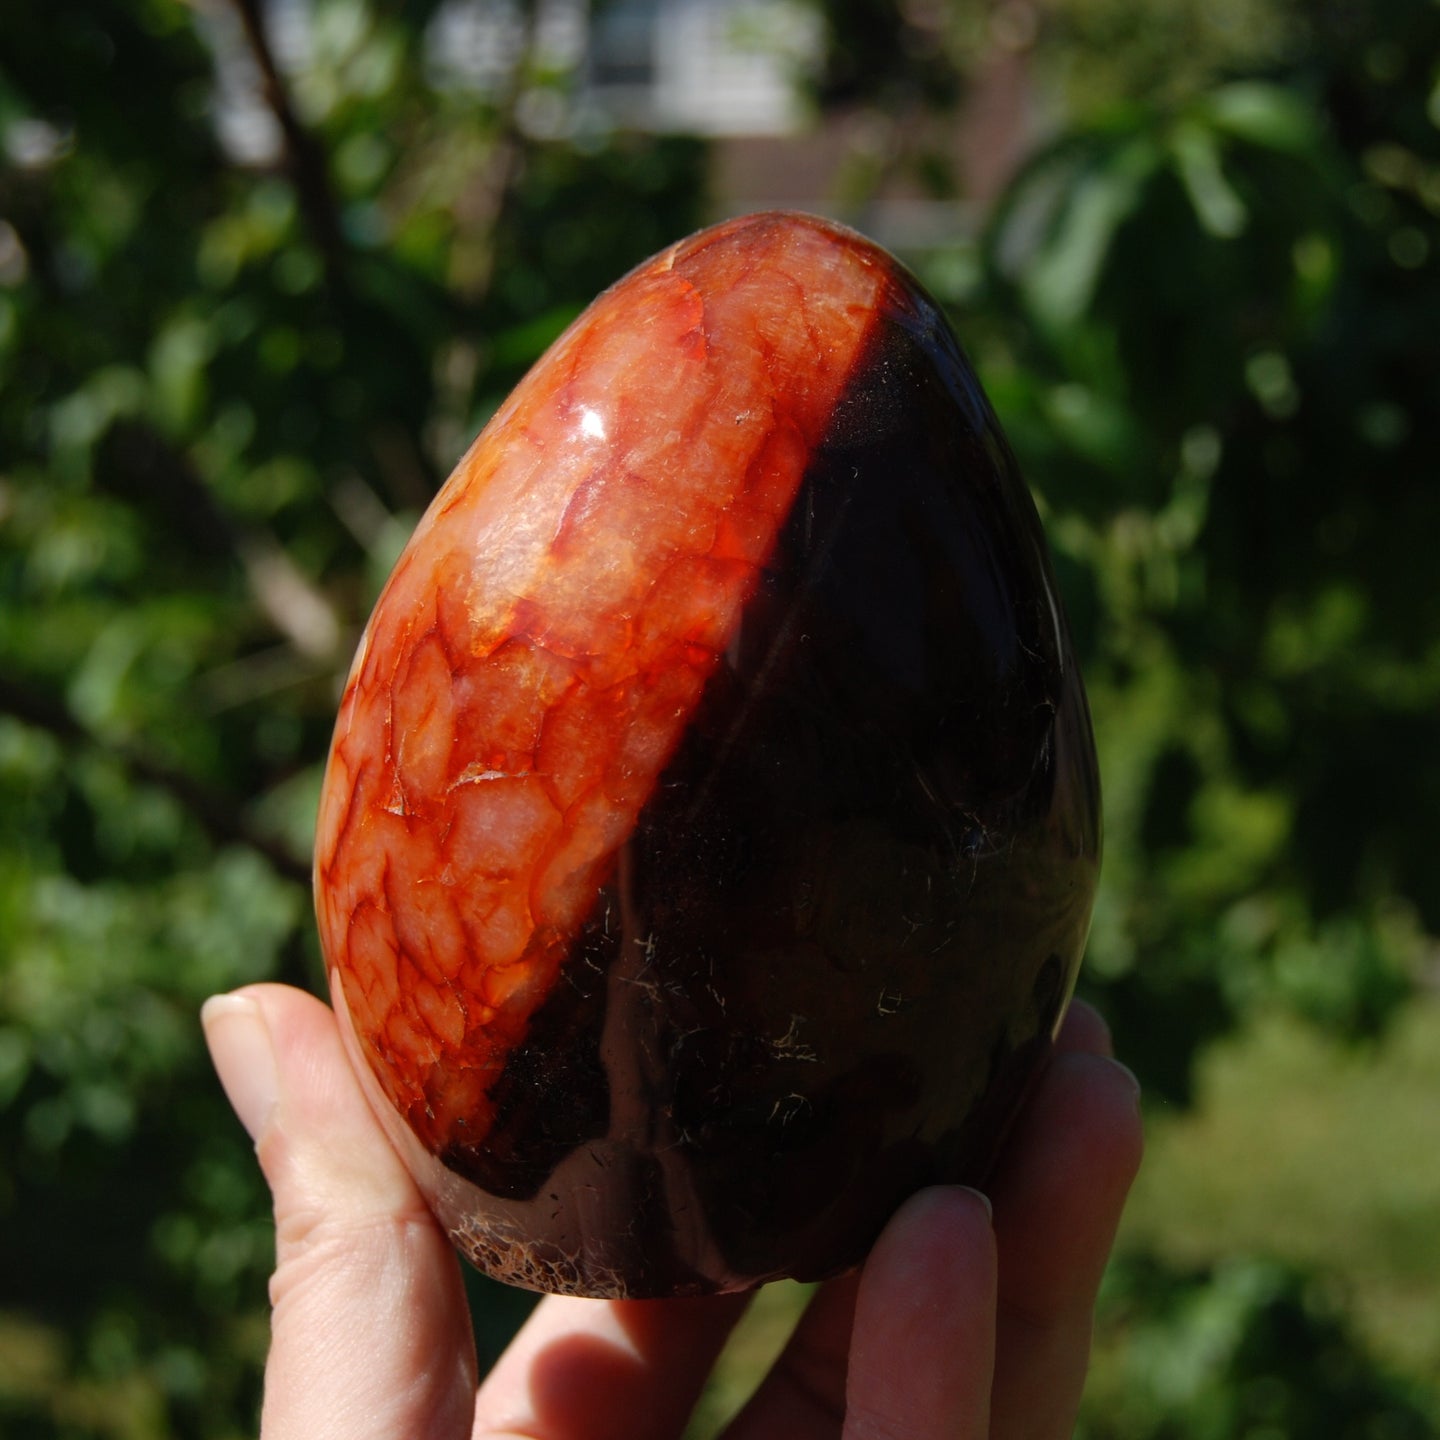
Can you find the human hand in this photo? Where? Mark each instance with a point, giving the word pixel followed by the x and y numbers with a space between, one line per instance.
pixel 955 1327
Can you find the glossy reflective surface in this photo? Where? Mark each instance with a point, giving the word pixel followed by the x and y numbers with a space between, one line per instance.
pixel 710 834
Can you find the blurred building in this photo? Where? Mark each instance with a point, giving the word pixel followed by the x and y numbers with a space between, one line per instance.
pixel 705 67
pixel 733 71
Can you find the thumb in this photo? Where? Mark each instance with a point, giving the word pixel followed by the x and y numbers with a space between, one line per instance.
pixel 370 1336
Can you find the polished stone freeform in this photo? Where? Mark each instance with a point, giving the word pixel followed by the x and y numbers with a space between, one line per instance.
pixel 711 827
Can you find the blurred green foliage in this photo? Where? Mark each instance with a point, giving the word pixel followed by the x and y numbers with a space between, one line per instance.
pixel 1207 314
pixel 1213 1356
pixel 1220 317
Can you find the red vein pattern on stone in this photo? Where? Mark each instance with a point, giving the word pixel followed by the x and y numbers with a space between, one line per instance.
pixel 533 660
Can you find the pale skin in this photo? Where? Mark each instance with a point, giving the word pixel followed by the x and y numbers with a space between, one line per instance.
pixel 958 1326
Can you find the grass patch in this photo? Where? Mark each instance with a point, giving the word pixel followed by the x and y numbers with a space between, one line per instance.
pixel 1316 1153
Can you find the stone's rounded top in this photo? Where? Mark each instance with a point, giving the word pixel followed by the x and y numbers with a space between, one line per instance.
pixel 710 830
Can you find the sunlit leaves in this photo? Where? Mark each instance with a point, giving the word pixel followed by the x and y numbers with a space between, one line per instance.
pixel 1216 413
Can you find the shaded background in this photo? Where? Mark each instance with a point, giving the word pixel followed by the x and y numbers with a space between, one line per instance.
pixel 266 268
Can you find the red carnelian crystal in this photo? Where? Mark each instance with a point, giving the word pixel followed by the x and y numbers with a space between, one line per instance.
pixel 712 821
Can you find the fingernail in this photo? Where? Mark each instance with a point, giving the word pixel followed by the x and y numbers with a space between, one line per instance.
pixel 983 1198
pixel 244 1058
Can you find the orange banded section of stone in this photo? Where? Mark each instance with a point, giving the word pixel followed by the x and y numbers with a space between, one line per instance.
pixel 531 666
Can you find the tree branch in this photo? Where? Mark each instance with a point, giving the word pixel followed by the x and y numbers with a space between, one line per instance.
pixel 483 205
pixel 304 157
pixel 146 471
pixel 221 818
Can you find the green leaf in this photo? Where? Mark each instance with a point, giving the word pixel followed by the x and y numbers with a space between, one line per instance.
pixel 1062 277
pixel 1276 117
pixel 1197 161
